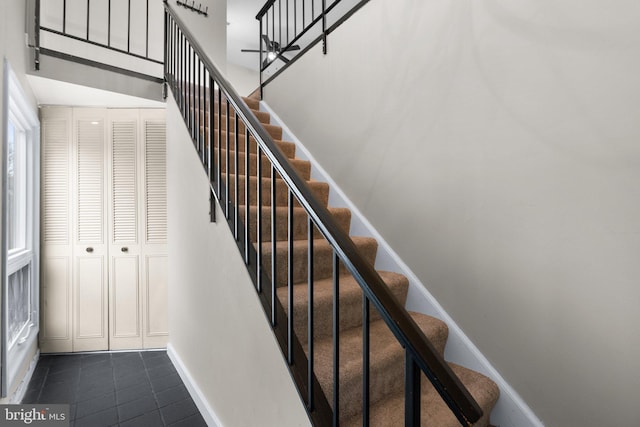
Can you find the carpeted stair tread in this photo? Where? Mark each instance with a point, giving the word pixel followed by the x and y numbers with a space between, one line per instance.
pixel 322 258
pixel 262 116
pixel 434 412
pixel 386 362
pixel 300 223
pixel 288 148
pixel 350 303
pixel 303 167
pixel 320 190
pixel 273 130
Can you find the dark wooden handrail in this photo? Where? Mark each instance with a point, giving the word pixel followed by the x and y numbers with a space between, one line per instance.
pixel 405 329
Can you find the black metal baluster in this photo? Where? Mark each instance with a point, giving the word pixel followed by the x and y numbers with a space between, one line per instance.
pixel 287 22
pixel 313 10
pixel 259 216
pixel 324 27
pixel 336 340
pixel 295 18
pixel 109 24
pixel 273 24
pixel 280 22
pixel 247 237
pixel 64 16
pixel 218 152
pixel 226 161
pixel 192 91
pixel 260 41
pixel 310 397
pixel 274 263
pixel 412 392
pixel 290 277
pixel 146 51
pixel 88 15
pixel 366 365
pixel 304 18
pixel 129 27
pixel 197 108
pixel 235 174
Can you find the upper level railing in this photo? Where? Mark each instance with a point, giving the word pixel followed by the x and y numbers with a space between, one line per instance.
pixel 258 189
pixel 288 28
pixel 125 35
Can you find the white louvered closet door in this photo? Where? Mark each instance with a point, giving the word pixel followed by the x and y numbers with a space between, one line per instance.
pixel 154 225
pixel 125 309
pixel 56 327
pixel 90 249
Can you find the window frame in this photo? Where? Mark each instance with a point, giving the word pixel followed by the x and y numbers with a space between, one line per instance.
pixel 18 111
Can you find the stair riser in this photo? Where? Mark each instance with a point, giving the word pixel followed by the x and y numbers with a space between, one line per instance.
pixel 303 167
pixel 320 189
pixel 322 260
pixel 300 224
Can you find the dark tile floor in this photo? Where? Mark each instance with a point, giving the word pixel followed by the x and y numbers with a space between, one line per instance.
pixel 115 389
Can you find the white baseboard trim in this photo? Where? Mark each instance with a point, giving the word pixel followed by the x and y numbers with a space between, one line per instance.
pixel 511 410
pixel 196 394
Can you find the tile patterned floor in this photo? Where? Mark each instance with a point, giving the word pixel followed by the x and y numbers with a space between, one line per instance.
pixel 115 389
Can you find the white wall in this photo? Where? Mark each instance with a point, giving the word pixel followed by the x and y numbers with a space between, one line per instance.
pixel 244 80
pixel 12 47
pixel 218 328
pixel 494 145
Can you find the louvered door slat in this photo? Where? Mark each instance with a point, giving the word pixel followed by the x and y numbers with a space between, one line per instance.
pixel 55 154
pixel 156 181
pixel 124 180
pixel 90 180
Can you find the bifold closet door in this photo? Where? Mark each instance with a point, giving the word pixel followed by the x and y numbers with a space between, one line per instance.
pixel 56 292
pixel 90 251
pixel 154 229
pixel 125 291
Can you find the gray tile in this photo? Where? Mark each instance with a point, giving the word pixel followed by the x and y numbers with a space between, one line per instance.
pixel 162 383
pixel 172 395
pixel 195 420
pixel 105 418
pixel 97 404
pixel 150 419
pixel 178 410
pixel 125 395
pixel 136 408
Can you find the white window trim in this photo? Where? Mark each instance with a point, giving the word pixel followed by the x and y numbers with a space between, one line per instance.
pixel 16 107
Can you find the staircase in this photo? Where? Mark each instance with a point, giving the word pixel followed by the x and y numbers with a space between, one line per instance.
pixel 386 395
pixel 356 356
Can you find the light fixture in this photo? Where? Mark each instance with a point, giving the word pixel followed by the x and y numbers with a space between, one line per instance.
pixel 271 55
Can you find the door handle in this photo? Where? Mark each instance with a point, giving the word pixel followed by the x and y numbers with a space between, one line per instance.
pixel 89 249
pixel 124 249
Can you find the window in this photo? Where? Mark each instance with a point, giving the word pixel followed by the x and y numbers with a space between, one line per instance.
pixel 20 300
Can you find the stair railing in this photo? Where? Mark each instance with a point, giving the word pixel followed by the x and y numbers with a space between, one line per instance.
pixel 289 28
pixel 83 32
pixel 204 97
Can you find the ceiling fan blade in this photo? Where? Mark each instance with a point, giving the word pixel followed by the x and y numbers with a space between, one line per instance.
pixel 294 47
pixel 266 40
pixel 252 50
pixel 285 60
